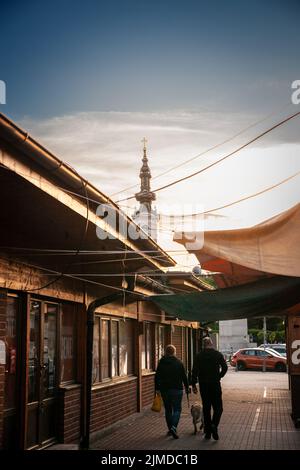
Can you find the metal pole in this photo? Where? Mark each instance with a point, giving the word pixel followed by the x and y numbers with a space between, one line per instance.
pixel 265 339
pixel 85 442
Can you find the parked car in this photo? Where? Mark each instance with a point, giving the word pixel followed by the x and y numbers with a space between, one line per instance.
pixel 254 358
pixel 270 350
pixel 280 348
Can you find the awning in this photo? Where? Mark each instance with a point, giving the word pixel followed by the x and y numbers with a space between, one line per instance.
pixel 271 247
pixel 260 298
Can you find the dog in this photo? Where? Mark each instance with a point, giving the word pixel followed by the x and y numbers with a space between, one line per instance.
pixel 197 415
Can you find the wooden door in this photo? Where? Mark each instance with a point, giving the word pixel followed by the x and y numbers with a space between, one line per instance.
pixel 42 374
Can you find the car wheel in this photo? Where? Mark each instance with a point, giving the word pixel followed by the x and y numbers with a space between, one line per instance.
pixel 241 365
pixel 280 367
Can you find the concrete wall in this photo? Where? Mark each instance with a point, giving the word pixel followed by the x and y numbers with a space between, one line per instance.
pixel 233 334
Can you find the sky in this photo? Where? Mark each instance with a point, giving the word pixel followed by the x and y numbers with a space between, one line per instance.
pixel 89 79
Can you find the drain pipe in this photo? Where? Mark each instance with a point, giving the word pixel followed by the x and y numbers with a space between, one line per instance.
pixel 85 442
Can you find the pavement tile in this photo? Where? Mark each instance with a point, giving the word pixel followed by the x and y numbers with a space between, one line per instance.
pixel 250 420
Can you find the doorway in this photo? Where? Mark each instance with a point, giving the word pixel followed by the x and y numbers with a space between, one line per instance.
pixel 42 400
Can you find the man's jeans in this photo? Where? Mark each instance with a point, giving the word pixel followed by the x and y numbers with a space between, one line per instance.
pixel 172 401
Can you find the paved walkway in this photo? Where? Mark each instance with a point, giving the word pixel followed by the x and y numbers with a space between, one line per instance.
pixel 256 416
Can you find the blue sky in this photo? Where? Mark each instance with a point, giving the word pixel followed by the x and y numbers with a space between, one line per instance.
pixel 89 79
pixel 67 56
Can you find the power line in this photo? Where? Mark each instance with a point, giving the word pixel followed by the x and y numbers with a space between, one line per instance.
pixel 179 180
pixel 48 252
pixel 139 258
pixel 132 273
pixel 224 206
pixel 86 199
pixel 97 283
pixel 82 239
pixel 214 147
pixel 243 198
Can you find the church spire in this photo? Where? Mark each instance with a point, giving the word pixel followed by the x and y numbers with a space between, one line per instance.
pixel 145 196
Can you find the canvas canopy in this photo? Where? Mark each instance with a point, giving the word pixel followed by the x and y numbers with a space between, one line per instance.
pixel 260 298
pixel 271 247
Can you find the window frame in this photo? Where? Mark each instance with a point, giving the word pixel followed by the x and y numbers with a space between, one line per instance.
pixel 151 326
pixel 75 332
pixel 262 354
pixel 161 328
pixel 113 320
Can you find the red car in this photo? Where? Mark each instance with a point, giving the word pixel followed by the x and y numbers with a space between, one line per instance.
pixel 254 358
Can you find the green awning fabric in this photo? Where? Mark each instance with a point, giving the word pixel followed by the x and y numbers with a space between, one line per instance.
pixel 261 298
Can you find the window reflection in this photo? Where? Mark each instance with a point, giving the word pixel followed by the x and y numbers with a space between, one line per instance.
pixel 116 348
pixel 49 359
pixel 11 353
pixel 35 311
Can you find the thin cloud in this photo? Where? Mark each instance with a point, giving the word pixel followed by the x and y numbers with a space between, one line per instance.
pixel 106 148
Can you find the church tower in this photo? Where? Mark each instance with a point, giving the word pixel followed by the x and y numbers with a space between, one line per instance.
pixel 146 216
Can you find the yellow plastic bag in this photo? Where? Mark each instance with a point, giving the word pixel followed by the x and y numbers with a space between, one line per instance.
pixel 156 405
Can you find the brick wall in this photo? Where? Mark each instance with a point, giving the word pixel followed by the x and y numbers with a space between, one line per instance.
pixel 177 341
pixel 148 389
pixel 112 403
pixel 2 367
pixel 69 414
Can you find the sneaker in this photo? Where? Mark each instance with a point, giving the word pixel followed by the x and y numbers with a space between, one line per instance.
pixel 169 433
pixel 174 432
pixel 214 431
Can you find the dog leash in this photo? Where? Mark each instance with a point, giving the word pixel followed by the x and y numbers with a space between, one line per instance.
pixel 188 399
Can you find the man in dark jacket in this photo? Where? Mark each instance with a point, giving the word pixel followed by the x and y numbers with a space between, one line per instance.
pixel 169 380
pixel 208 369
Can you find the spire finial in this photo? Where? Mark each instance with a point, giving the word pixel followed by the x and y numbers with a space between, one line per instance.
pixel 144 140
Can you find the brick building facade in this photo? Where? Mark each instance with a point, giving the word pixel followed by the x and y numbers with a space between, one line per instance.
pixel 53 266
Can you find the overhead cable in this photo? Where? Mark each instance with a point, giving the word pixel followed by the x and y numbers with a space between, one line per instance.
pixel 184 178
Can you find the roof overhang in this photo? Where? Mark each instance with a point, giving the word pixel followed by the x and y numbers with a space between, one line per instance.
pixel 45 211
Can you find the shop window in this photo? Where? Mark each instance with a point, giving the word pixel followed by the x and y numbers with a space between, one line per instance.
pixel 68 343
pixel 105 373
pixel 114 349
pixel 114 354
pixel 96 356
pixel 148 347
pixel 161 340
pixel 126 347
pixel 34 342
pixel 11 353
